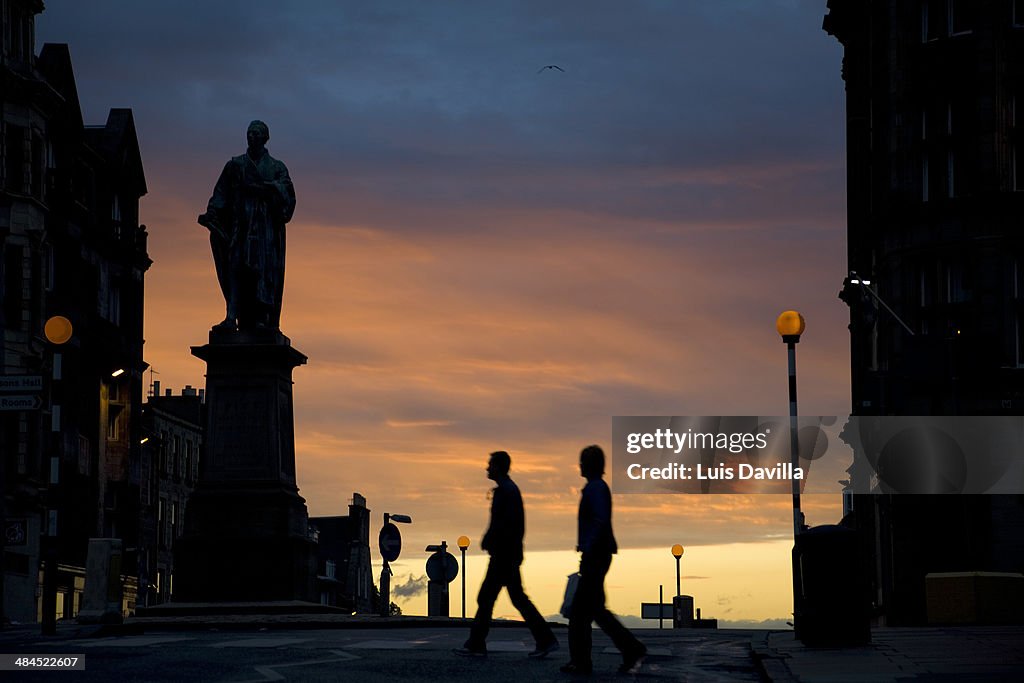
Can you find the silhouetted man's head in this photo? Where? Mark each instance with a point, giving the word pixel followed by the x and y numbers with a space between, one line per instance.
pixel 592 462
pixel 257 134
pixel 499 465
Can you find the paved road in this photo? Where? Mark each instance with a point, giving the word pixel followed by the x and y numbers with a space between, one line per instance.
pixel 418 654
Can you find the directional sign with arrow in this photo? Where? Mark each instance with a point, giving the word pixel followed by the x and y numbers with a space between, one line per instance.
pixel 390 542
pixel 20 402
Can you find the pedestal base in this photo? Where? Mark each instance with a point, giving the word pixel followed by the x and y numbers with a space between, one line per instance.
pixel 249 544
pixel 246 526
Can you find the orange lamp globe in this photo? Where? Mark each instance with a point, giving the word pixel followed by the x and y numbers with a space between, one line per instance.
pixel 463 542
pixel 790 324
pixel 677 551
pixel 58 329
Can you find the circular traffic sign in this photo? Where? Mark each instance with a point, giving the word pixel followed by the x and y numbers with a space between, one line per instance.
pixel 389 542
pixel 442 567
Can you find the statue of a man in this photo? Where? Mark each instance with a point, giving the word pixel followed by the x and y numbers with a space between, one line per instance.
pixel 246 216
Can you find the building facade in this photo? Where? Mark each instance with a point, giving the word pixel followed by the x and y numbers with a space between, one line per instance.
pixel 172 442
pixel 344 577
pixel 935 186
pixel 70 245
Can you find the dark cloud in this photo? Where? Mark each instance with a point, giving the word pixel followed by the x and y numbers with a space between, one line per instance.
pixel 412 587
pixel 434 105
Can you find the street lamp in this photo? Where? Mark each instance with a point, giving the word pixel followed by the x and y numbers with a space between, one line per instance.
pixel 390 545
pixel 677 552
pixel 58 331
pixel 463 544
pixel 864 284
pixel 790 326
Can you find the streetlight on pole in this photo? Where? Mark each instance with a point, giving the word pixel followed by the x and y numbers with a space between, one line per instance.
pixel 790 326
pixel 390 545
pixel 677 552
pixel 58 331
pixel 463 544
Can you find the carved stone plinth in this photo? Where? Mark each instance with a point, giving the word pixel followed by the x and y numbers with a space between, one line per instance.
pixel 246 532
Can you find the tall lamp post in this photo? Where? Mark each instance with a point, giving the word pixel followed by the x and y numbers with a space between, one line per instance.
pixel 463 544
pixel 390 545
pixel 58 331
pixel 790 326
pixel 677 552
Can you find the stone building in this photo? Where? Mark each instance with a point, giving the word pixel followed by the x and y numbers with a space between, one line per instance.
pixel 172 441
pixel 344 577
pixel 935 186
pixel 70 245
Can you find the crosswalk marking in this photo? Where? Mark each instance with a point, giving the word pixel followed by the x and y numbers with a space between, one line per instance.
pixel 387 644
pixel 261 642
pixel 655 651
pixel 131 641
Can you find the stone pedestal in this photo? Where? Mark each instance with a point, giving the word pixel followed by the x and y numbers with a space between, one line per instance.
pixel 246 534
pixel 101 603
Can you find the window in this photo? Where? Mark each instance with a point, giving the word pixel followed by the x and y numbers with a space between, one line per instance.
pixel 944 18
pixel 115 216
pixel 50 267
pixel 933 20
pixel 961 16
pixel 1019 332
pixel 161 519
pixel 14 158
pixel 1016 153
pixel 186 465
pixel 163 451
pixel 113 423
pixel 955 290
pixel 38 169
pixel 114 304
pixel 14 257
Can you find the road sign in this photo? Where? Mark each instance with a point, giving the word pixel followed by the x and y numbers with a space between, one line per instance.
pixel 15 532
pixel 649 610
pixel 389 542
pixel 20 402
pixel 442 567
pixel 21 383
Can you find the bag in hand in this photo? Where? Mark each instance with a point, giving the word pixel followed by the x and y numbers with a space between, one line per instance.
pixel 570 593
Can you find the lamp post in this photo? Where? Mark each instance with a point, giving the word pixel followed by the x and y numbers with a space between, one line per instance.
pixel 790 326
pixel 677 552
pixel 463 544
pixel 390 545
pixel 58 331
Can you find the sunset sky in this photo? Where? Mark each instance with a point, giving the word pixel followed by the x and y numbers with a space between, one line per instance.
pixel 486 257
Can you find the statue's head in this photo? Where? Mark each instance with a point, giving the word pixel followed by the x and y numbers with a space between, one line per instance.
pixel 257 134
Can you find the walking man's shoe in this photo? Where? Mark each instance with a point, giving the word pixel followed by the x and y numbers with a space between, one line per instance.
pixel 631 660
pixel 577 669
pixel 470 651
pixel 542 651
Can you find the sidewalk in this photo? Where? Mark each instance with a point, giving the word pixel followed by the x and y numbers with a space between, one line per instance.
pixel 947 654
pixel 960 653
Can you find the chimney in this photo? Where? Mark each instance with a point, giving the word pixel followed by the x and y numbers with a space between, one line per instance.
pixel 156 387
pixel 188 391
pixel 168 392
pixel 202 395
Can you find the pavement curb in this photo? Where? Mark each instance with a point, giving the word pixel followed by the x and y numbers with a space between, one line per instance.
pixel 770 663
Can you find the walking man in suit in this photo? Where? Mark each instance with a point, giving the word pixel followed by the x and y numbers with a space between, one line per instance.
pixel 504 542
pixel 597 544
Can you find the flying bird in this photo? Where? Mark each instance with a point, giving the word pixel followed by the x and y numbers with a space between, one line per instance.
pixel 551 66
